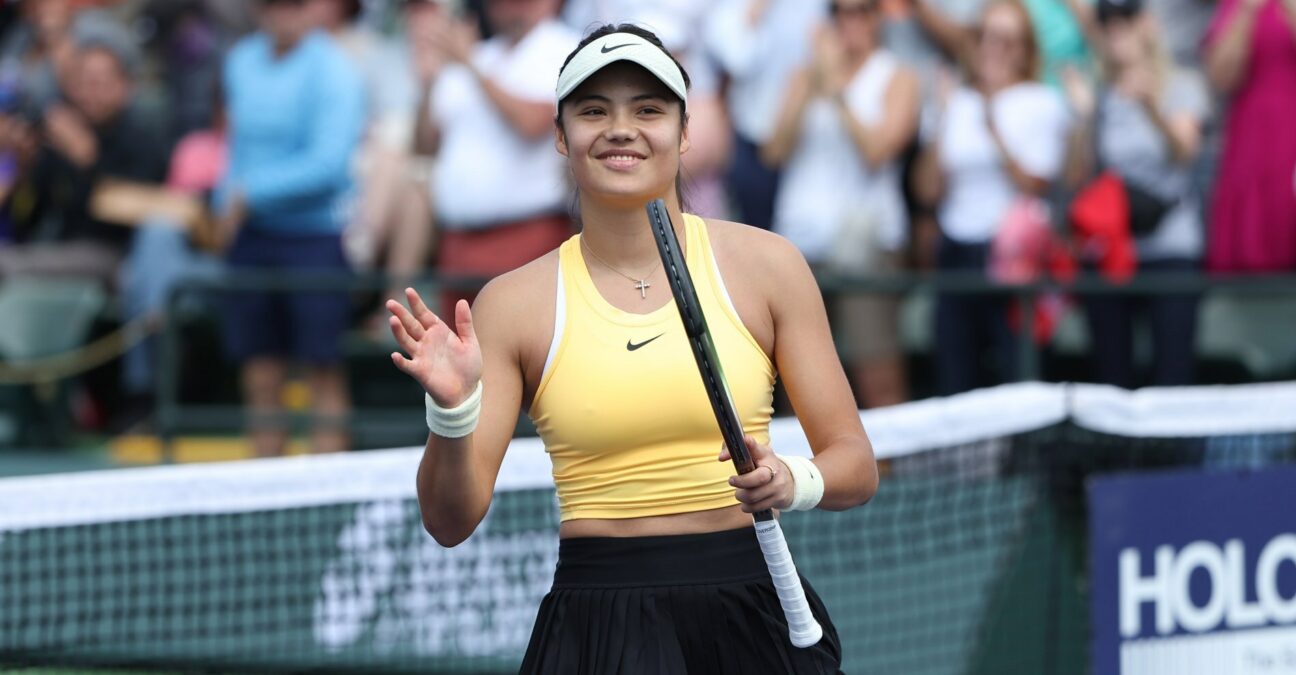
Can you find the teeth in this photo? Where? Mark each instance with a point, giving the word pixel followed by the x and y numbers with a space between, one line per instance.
pixel 622 158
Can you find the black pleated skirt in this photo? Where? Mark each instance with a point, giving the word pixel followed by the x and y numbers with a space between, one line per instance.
pixel 701 604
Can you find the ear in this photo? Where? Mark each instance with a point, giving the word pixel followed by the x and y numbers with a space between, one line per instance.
pixel 560 139
pixel 684 138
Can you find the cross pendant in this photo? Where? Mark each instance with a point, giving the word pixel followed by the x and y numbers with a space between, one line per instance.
pixel 643 287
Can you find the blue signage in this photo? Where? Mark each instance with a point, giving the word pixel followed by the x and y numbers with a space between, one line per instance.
pixel 1194 572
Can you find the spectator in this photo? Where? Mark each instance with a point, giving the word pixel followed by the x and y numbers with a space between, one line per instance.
pixel 1144 122
pixel 392 225
pixel 847 118
pixel 100 133
pixel 39 47
pixel 991 146
pixel 498 189
pixel 188 44
pixel 296 114
pixel 1251 60
pixel 1059 27
pixel 172 231
pixel 759 44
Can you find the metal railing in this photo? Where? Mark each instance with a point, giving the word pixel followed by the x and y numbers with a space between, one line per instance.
pixel 175 418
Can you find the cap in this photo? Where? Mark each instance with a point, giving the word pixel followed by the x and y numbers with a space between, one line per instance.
pixel 1108 9
pixel 614 47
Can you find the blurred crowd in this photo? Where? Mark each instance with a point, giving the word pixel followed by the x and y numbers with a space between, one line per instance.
pixel 144 142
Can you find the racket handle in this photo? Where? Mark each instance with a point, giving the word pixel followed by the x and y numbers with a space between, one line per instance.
pixel 802 627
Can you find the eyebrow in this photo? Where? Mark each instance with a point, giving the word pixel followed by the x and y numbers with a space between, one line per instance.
pixel 599 98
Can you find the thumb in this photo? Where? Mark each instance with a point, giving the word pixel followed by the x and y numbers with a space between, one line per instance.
pixel 464 323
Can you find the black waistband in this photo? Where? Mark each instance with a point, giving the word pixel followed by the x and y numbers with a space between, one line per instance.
pixel 670 560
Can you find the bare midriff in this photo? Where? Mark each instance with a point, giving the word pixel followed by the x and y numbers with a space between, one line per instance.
pixel 696 522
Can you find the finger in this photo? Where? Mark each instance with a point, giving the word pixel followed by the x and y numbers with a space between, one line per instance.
pixel 759 452
pixel 405 365
pixel 412 326
pixel 724 454
pixel 758 499
pixel 759 477
pixel 420 309
pixel 407 344
pixel 464 323
pixel 767 504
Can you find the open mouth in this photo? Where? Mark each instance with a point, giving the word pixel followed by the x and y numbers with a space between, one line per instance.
pixel 620 159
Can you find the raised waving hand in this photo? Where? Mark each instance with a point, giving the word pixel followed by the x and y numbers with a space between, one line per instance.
pixel 446 361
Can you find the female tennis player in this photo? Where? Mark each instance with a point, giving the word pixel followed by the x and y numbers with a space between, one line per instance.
pixel 659 569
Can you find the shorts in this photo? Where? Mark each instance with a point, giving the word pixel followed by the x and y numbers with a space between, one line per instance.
pixel 302 325
pixel 869 323
pixel 692 603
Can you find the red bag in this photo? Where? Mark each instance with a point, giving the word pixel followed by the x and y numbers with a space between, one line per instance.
pixel 1023 250
pixel 1099 215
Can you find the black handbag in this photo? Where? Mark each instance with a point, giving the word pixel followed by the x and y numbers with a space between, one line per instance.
pixel 1146 208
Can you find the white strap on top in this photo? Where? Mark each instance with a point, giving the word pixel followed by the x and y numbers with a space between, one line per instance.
pixel 724 290
pixel 560 322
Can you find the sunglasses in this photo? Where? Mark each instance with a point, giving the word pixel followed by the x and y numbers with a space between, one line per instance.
pixel 863 9
pixel 1008 38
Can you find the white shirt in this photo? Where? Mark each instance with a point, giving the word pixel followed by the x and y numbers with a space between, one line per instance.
pixel 760 59
pixel 826 181
pixel 486 172
pixel 1033 122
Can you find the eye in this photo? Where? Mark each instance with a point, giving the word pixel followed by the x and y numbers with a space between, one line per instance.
pixel 591 112
pixel 650 110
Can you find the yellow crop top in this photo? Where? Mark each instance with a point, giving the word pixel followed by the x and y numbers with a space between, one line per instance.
pixel 621 408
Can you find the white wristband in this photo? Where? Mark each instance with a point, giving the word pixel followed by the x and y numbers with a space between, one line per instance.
pixel 455 422
pixel 807 480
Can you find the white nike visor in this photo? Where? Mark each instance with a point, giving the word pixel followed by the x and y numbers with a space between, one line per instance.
pixel 614 47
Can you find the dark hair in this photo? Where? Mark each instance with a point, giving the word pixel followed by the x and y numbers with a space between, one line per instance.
pixel 640 31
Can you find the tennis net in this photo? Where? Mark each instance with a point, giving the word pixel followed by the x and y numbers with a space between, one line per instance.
pixel 970 559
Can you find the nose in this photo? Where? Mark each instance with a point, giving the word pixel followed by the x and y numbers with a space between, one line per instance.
pixel 621 126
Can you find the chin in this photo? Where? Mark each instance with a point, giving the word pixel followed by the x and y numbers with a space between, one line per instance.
pixel 626 197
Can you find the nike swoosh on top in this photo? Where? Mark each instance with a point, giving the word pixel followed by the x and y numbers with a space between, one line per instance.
pixel 632 346
pixel 607 49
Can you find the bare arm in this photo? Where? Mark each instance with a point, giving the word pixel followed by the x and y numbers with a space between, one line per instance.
pixel 1181 132
pixel 883 143
pixel 953 38
pixel 427 135
pixel 456 477
pixel 1080 147
pixel 787 131
pixel 929 177
pixel 532 119
pixel 807 361
pixel 1228 56
pixel 1087 18
pixel 816 383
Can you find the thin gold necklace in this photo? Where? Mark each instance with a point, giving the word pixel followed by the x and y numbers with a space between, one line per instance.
pixel 641 284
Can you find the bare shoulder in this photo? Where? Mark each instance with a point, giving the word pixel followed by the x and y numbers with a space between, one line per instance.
pixel 765 253
pixel 516 306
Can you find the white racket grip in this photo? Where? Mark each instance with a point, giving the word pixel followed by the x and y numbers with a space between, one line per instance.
pixel 802 627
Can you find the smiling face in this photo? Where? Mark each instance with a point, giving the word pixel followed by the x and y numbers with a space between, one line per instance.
pixel 857 23
pixel 623 132
pixel 99 87
pixel 1005 48
pixel 1125 40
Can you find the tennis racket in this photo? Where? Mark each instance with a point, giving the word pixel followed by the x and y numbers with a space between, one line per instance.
pixel 802 627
